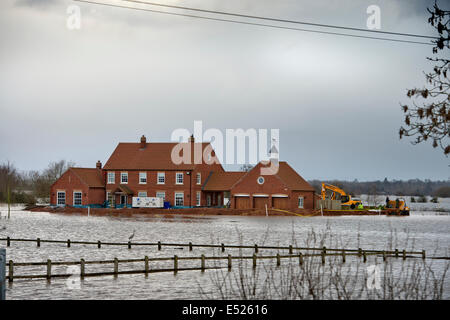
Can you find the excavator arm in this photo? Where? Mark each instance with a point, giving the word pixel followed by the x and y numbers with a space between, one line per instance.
pixel 335 189
pixel 345 198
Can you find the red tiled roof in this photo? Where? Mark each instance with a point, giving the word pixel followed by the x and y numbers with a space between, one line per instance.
pixel 91 176
pixel 155 156
pixel 222 181
pixel 292 179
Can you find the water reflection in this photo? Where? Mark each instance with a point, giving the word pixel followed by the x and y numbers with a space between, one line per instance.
pixel 421 230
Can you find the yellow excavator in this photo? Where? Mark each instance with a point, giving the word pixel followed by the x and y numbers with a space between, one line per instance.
pixel 346 199
pixel 397 206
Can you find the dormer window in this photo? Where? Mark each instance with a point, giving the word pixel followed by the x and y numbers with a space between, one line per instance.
pixel 179 178
pixel 124 177
pixel 111 177
pixel 161 178
pixel 142 177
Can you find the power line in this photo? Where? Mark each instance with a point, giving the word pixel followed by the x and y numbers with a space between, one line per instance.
pixel 280 20
pixel 251 23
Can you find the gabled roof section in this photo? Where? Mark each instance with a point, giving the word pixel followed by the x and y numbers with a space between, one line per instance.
pixel 292 179
pixel 155 156
pixel 123 188
pixel 222 181
pixel 90 176
pixel 285 173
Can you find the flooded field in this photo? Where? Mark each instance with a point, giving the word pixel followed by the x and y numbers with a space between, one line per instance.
pixel 423 230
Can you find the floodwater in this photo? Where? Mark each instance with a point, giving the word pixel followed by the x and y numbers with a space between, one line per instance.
pixel 423 230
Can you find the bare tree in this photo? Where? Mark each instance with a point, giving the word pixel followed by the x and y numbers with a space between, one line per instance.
pixel 41 182
pixel 56 169
pixel 428 115
pixel 9 179
pixel 334 278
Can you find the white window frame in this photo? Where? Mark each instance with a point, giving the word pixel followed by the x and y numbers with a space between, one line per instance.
pixel 111 177
pixel 175 199
pixel 199 178
pixel 142 192
pixel 176 178
pixel 57 198
pixel 81 198
pixel 159 193
pixel 123 174
pixel 142 175
pixel 302 202
pixel 198 198
pixel 161 175
pixel 108 195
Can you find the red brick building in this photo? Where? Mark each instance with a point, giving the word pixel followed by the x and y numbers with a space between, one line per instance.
pixel 284 190
pixel 79 187
pixel 147 170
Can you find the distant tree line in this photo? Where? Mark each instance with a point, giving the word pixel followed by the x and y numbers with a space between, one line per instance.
pixel 27 187
pixel 412 187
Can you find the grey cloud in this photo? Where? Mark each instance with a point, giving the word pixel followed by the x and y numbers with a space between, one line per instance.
pixel 36 3
pixel 75 94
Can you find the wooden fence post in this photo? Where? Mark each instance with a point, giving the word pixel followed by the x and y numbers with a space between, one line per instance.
pixel 68 243
pixel 423 254
pixel 159 245
pixel 99 244
pixel 359 252
pixel 175 264
pixel 384 255
pixel 11 271
pixel 49 269
pixel 116 266
pixel 278 260
pixel 129 244
pixel 82 262
pixel 324 249
pixel 146 265
pixel 343 256
pixel 223 247
pixel 290 250
pixel 404 254
pixel 254 261
pixel 300 258
pixel 8 241
pixel 364 256
pixel 190 246
pixel 323 257
pixel 203 263
pixel 38 242
pixel 229 262
pixel 2 274
pixel 396 253
pixel 256 248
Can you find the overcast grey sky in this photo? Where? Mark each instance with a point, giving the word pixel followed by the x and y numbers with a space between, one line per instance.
pixel 74 94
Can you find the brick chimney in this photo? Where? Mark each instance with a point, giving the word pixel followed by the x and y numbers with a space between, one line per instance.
pixel 191 138
pixel 143 142
pixel 98 165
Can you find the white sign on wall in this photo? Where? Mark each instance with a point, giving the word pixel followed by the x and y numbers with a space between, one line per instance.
pixel 148 202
